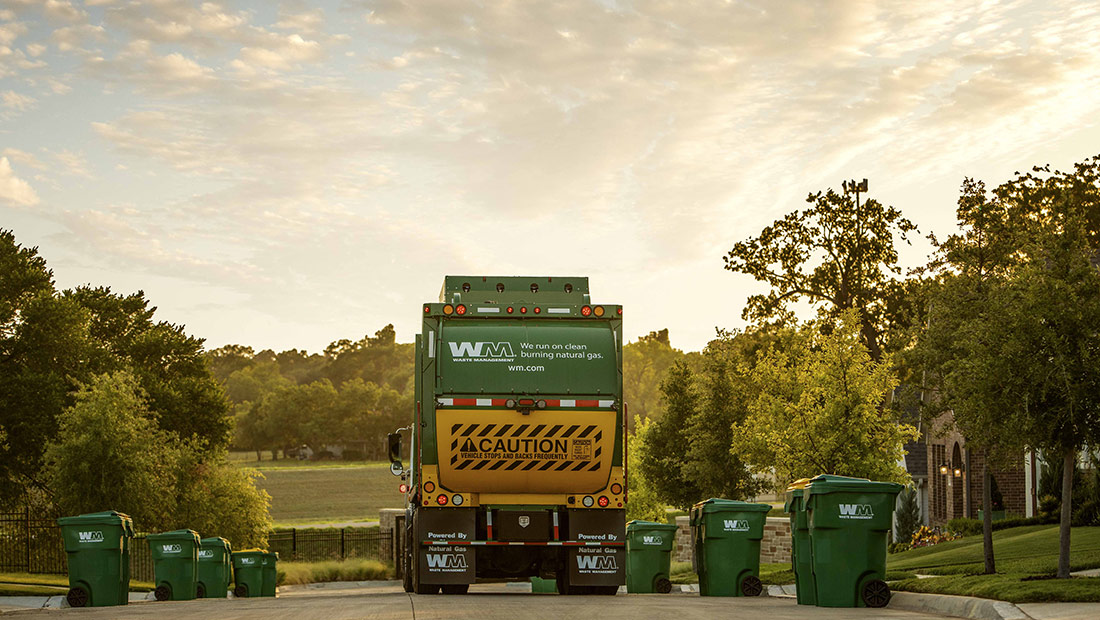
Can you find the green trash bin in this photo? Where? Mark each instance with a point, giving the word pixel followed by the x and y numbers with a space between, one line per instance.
pixel 801 562
pixel 215 568
pixel 270 573
pixel 849 521
pixel 649 557
pixel 728 535
pixel 98 546
pixel 544 586
pixel 248 573
pixel 175 564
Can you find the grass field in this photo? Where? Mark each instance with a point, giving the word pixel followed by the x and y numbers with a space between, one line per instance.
pixel 35 584
pixel 305 493
pixel 1025 556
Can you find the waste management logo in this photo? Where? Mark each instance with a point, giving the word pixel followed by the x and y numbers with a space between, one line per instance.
pixel 90 537
pixel 206 553
pixel 596 564
pixel 652 540
pixel 248 561
pixel 446 562
pixel 482 351
pixel 171 548
pixel 735 525
pixel 856 511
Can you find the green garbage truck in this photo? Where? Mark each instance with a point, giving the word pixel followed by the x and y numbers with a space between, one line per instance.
pixel 517 443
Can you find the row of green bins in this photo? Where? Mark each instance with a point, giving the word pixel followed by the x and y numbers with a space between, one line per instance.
pixel 255 573
pixel 175 564
pixel 215 568
pixel 849 520
pixel 726 535
pixel 97 547
pixel 649 557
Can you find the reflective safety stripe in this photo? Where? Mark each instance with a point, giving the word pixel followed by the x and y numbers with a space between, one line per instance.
pixel 502 402
pixel 503 543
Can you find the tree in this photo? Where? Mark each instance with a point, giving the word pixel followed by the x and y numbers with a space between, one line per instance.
pixel 110 455
pixel 644 503
pixel 908 515
pixel 837 255
pixel 1023 367
pixel 645 363
pixel 662 454
pixel 819 409
pixel 218 498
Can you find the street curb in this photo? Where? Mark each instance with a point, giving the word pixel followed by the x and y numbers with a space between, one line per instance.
pixel 957 606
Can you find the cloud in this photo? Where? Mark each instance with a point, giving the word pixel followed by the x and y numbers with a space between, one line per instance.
pixel 16 101
pixel 13 190
pixel 279 52
pixel 23 158
pixel 62 10
pixel 76 38
pixel 74 163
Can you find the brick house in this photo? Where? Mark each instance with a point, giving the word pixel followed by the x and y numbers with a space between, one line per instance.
pixel 955 476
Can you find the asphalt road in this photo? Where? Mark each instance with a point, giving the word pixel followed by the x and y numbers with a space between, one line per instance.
pixel 485 602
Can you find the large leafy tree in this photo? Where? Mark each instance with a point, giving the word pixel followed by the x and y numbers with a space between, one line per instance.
pixel 838 254
pixel 667 440
pixel 645 363
pixel 819 409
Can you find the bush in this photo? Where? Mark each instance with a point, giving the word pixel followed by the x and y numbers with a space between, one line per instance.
pixel 973 527
pixel 296 573
pixel 908 515
pixel 929 536
pixel 898 547
pixel 965 526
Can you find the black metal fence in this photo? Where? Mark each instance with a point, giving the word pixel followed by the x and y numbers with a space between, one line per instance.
pixel 318 544
pixel 30 543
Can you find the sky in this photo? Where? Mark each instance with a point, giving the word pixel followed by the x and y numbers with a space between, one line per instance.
pixel 286 174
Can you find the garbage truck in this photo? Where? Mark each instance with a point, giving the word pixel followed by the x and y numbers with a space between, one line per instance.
pixel 517 444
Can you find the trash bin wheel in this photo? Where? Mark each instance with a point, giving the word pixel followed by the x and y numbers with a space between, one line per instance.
pixel 751 586
pixel 200 591
pixel 77 597
pixel 162 593
pixel 456 588
pixel 663 586
pixel 241 591
pixel 876 593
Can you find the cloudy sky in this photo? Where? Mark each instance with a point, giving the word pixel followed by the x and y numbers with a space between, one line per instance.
pixel 284 174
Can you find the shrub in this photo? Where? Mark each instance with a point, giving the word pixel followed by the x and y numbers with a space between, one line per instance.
pixel 908 514
pixel 928 536
pixel 898 547
pixel 965 526
pixel 296 573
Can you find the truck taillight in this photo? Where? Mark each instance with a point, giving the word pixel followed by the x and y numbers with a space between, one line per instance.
pixel 598 310
pixel 441 500
pixel 586 310
pixel 460 309
pixel 603 501
pixel 511 309
pixel 429 486
pixel 404 488
pixel 457 500
pixel 619 311
pixel 616 488
pixel 523 310
pixel 427 309
pixel 448 309
pixel 537 310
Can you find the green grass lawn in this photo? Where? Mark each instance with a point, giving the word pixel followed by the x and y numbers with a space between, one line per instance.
pixel 35 584
pixel 1025 557
pixel 308 494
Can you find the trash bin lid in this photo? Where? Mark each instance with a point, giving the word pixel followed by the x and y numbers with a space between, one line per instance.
pixel 715 504
pixel 248 551
pixel 638 525
pixel 107 517
pixel 828 483
pixel 795 491
pixel 190 535
pixel 216 542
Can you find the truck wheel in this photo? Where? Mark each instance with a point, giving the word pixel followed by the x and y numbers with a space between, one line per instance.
pixel 456 588
pixel 77 597
pixel 604 590
pixel 407 562
pixel 876 593
pixel 162 593
pixel 663 586
pixel 751 586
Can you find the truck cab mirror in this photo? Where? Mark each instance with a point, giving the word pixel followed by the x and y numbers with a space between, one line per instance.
pixel 394 447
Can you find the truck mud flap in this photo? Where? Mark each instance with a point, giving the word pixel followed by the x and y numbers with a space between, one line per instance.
pixel 446 564
pixel 597 566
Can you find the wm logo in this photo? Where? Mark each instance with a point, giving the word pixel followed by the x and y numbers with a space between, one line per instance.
pixel 446 560
pixel 856 511
pixel 651 540
pixel 482 350
pixel 736 525
pixel 596 562
pixel 90 536
pixel 171 548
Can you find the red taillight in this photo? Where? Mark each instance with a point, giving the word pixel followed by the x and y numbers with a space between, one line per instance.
pixel 460 309
pixel 429 486
pixel 618 311
pixel 538 310
pixel 616 488
pixel 427 309
pixel 510 310
pixel 441 500
pixel 586 310
pixel 526 402
pixel 404 488
pixel 523 310
pixel 603 501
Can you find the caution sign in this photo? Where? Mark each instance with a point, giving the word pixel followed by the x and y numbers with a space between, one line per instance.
pixel 542 452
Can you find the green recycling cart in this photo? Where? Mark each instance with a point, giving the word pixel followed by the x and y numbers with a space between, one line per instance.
pixel 544 586
pixel 649 548
pixel 248 573
pixel 727 534
pixel 801 560
pixel 98 550
pixel 215 568
pixel 849 521
pixel 270 573
pixel 175 564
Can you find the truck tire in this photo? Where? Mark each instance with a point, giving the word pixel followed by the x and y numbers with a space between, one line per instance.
pixel 456 588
